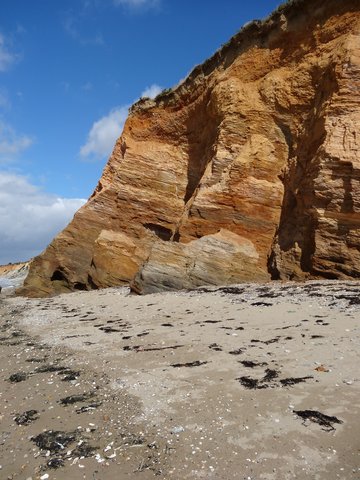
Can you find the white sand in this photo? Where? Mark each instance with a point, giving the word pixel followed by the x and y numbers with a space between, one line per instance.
pixel 223 429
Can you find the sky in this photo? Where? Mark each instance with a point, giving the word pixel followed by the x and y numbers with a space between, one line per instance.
pixel 69 70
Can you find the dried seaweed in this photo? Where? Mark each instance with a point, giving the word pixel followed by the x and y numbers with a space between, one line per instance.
pixel 27 417
pixel 196 363
pixel 54 440
pixel 288 382
pixel 319 418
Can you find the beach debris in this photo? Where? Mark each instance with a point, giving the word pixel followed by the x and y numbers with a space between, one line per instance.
pixel 177 429
pixel 35 360
pixel 109 329
pixel 288 382
pixel 195 363
pixel 216 347
pixel 254 383
pixel 261 304
pixel 70 375
pixel 54 440
pixel 88 408
pixel 167 325
pixel 270 375
pixel 238 351
pixel 27 417
pixel 55 462
pixel 76 398
pixel 18 377
pixel 319 418
pixel 321 368
pixel 251 364
pixel 132 439
pixel 50 368
pixel 251 383
pixel 84 449
pixel 141 348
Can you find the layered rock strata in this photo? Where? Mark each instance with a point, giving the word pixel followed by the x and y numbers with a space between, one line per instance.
pixel 248 170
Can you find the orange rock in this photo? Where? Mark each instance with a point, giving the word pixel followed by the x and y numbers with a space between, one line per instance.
pixel 247 170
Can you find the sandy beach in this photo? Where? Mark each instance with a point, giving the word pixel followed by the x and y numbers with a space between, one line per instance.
pixel 255 381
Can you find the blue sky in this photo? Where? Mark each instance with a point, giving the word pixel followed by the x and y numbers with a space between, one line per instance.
pixel 68 71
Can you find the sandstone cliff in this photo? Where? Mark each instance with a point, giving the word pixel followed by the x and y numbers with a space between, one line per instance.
pixel 248 170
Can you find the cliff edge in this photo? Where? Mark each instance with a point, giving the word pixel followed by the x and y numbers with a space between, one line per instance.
pixel 249 170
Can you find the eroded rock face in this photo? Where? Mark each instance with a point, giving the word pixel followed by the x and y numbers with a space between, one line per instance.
pixel 248 170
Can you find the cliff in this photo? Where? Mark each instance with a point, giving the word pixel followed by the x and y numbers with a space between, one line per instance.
pixel 13 276
pixel 248 170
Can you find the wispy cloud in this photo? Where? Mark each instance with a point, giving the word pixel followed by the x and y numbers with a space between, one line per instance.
pixel 7 58
pixel 87 87
pixel 103 134
pixel 39 217
pixel 152 91
pixel 72 28
pixel 11 143
pixel 137 5
pixel 4 99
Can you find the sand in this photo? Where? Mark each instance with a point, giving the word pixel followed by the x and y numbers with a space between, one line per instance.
pixel 202 384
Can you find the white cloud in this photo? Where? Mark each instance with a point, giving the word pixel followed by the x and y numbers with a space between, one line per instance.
pixel 12 143
pixel 103 134
pixel 6 57
pixel 29 218
pixel 152 91
pixel 137 4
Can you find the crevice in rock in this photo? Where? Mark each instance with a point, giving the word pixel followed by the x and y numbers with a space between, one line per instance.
pixel 202 134
pixel 294 243
pixel 80 286
pixel 59 275
pixel 160 231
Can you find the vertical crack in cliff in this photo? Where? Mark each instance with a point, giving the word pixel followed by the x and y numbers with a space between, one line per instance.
pixel 202 134
pixel 294 244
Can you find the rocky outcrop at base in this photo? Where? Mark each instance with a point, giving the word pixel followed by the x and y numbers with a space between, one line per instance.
pixel 248 170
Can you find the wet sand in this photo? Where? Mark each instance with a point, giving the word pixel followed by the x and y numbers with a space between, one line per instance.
pixel 244 382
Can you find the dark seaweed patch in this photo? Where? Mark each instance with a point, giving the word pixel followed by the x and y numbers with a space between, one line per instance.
pixel 54 440
pixel 71 399
pixel 319 418
pixel 261 304
pixel 35 360
pixel 109 329
pixel 196 363
pixel 237 352
pixel 216 347
pixel 55 463
pixel 27 417
pixel 288 382
pixel 70 375
pixel 251 364
pixel 140 348
pixel 18 377
pixel 251 383
pixel 270 375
